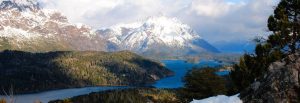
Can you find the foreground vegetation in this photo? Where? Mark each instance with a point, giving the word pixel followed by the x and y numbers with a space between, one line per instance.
pixel 34 72
pixel 137 95
pixel 271 73
pixel 204 82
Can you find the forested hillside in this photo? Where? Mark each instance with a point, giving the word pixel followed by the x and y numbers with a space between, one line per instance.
pixel 137 95
pixel 31 72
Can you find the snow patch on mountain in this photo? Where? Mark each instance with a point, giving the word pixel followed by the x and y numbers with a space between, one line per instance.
pixel 24 20
pixel 16 33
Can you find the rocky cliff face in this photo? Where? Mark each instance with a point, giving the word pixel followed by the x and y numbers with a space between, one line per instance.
pixel 280 84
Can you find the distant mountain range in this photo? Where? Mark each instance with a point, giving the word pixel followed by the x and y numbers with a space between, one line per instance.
pixel 24 25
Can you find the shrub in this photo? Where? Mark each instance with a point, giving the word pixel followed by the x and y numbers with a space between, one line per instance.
pixel 202 83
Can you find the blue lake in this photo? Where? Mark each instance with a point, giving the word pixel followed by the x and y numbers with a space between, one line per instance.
pixel 181 67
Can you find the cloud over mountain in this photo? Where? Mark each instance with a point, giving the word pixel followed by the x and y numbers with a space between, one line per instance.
pixel 216 20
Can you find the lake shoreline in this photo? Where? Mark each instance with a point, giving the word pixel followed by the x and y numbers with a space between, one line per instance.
pixel 47 96
pixel 57 89
pixel 179 67
pixel 149 85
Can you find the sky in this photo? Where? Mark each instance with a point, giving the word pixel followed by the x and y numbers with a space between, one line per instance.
pixel 217 21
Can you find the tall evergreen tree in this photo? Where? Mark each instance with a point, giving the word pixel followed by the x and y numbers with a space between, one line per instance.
pixel 285 25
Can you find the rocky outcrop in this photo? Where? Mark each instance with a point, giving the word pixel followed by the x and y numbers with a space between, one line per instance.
pixel 279 85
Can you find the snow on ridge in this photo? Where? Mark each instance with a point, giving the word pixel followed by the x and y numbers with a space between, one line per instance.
pixel 165 22
pixel 25 2
pixel 156 29
pixel 29 23
pixel 220 99
pixel 50 11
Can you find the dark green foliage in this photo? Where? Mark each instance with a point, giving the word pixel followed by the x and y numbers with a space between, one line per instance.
pixel 253 66
pixel 32 72
pixel 138 95
pixel 202 83
pixel 111 97
pixel 285 26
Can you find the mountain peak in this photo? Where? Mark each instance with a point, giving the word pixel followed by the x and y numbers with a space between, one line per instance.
pixel 153 33
pixel 21 5
pixel 162 20
pixel 156 29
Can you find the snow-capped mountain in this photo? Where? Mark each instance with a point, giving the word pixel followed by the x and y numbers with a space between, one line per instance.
pixel 25 26
pixel 158 35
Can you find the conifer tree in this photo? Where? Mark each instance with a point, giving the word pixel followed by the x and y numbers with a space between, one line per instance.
pixel 285 25
pixel 284 40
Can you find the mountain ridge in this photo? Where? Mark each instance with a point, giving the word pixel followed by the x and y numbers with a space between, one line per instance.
pixel 24 25
pixel 155 32
pixel 43 30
